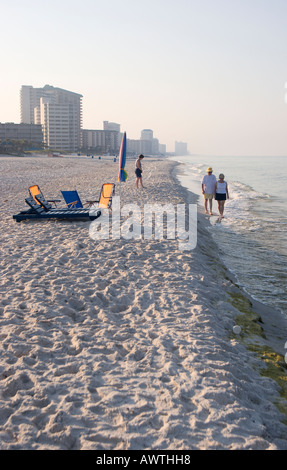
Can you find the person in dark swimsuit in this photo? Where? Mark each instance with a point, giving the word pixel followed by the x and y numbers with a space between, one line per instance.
pixel 138 171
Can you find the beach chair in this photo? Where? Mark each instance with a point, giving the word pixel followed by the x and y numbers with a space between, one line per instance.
pixel 39 209
pixel 72 199
pixel 106 195
pixel 36 191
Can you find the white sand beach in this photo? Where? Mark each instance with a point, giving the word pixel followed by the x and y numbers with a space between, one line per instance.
pixel 124 344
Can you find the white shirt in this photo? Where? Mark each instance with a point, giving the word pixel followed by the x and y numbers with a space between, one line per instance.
pixel 221 187
pixel 208 182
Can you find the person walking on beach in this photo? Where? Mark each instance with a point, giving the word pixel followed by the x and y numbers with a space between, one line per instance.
pixel 138 171
pixel 221 193
pixel 208 188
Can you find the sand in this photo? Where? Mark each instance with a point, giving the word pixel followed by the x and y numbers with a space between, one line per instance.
pixel 120 344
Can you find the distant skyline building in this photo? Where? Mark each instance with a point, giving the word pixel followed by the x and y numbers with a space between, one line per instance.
pixel 101 140
pixel 58 111
pixel 111 126
pixel 155 146
pixel 134 146
pixel 146 142
pixel 147 134
pixel 181 148
pixel 147 145
pixel 29 132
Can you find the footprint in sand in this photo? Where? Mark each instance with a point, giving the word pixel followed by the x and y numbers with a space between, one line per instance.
pixel 76 304
pixel 118 308
pixel 13 385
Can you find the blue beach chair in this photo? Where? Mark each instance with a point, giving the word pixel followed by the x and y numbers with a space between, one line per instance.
pixel 72 199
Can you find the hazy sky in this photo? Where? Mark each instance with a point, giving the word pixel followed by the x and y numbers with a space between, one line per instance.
pixel 208 72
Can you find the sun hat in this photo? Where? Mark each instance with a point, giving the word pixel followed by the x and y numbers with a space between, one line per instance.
pixel 221 176
pixel 209 169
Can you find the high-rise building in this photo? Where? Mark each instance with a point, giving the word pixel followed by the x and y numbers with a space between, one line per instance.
pixel 100 141
pixel 181 148
pixel 147 145
pixel 112 126
pixel 147 134
pixel 162 149
pixel 155 146
pixel 58 111
pixel 134 146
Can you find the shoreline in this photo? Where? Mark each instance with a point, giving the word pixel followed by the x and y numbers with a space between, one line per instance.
pixel 265 311
pixel 250 289
pixel 121 344
pixel 266 326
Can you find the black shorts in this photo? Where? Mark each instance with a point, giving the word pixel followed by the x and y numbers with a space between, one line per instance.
pixel 138 173
pixel 220 197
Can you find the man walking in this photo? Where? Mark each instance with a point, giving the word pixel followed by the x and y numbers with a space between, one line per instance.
pixel 208 187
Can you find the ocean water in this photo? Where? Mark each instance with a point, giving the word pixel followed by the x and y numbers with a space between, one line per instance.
pixel 252 237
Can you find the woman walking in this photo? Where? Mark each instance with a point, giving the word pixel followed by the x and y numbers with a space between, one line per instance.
pixel 221 193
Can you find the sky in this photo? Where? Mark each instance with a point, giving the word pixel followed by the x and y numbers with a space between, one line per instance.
pixel 211 73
